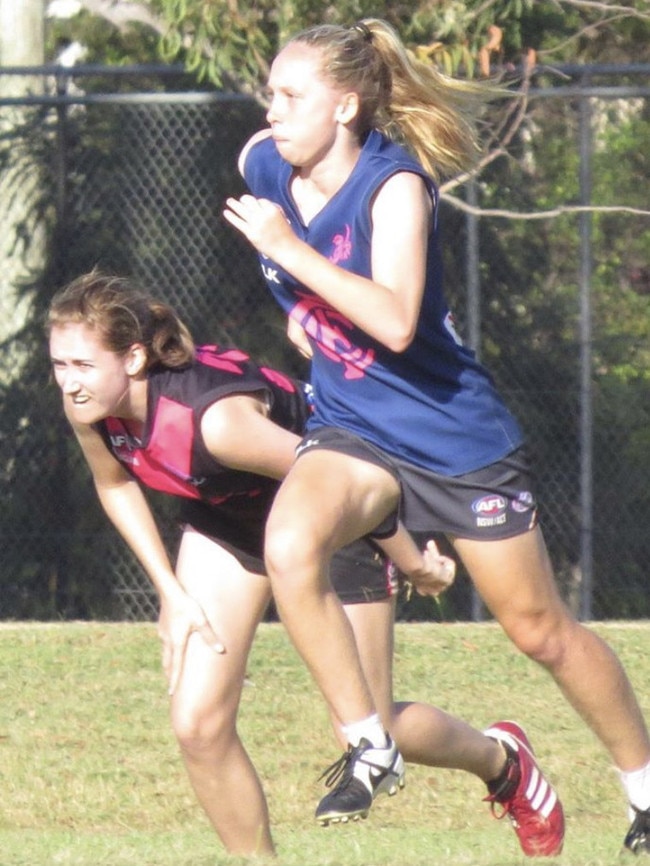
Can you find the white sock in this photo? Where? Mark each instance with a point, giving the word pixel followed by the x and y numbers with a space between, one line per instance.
pixel 370 728
pixel 636 784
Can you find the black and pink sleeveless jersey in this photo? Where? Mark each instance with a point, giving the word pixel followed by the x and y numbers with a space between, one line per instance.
pixel 171 455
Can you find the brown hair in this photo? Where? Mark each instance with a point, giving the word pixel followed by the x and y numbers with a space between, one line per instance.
pixel 406 99
pixel 123 315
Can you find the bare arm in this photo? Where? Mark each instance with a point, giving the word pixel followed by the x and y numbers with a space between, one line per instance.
pixel 428 571
pixel 386 306
pixel 238 433
pixel 297 335
pixel 127 509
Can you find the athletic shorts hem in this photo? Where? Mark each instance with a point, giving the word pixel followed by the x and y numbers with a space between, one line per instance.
pixel 493 503
pixel 359 572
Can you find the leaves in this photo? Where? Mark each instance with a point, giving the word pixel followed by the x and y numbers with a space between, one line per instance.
pixel 231 42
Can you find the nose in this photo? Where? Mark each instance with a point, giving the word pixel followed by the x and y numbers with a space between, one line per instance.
pixel 272 111
pixel 68 381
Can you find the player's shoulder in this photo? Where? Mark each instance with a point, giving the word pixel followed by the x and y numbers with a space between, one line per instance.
pixel 260 135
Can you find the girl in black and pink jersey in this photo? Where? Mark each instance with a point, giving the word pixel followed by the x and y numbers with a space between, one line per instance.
pixel 208 426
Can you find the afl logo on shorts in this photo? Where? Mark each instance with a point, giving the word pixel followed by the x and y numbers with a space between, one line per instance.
pixel 524 502
pixel 490 510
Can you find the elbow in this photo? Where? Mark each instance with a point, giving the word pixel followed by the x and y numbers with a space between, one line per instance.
pixel 399 339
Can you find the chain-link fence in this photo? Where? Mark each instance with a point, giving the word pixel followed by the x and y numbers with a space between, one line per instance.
pixel 554 296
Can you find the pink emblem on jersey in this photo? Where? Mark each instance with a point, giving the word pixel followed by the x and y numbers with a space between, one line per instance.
pixel 342 247
pixel 278 379
pixel 223 359
pixel 165 463
pixel 326 326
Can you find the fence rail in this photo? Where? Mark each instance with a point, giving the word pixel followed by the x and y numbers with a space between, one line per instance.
pixel 548 266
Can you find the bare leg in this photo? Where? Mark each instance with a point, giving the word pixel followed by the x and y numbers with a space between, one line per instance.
pixel 424 734
pixel 326 501
pixel 515 579
pixel 205 705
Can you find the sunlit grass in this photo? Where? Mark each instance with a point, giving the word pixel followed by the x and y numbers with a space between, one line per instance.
pixel 89 771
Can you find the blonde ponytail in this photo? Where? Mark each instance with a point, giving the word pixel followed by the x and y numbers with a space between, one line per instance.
pixel 413 103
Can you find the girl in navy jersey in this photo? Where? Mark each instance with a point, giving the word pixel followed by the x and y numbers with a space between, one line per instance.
pixel 211 428
pixel 343 214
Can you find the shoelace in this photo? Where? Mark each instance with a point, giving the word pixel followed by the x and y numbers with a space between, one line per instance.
pixel 502 807
pixel 340 769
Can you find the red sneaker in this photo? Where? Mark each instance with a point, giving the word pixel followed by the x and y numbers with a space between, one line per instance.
pixel 533 806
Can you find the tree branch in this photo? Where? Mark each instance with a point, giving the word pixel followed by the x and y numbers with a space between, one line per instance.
pixel 512 121
pixel 606 8
pixel 461 205
pixel 121 13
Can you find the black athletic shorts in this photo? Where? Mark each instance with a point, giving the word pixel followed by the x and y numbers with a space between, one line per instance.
pixel 358 572
pixel 497 501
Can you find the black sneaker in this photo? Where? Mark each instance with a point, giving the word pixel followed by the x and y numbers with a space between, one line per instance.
pixel 638 836
pixel 362 772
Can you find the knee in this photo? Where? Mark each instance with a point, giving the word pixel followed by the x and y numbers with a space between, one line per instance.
pixel 544 637
pixel 290 549
pixel 198 732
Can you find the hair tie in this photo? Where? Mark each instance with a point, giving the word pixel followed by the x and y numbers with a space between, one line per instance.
pixel 363 30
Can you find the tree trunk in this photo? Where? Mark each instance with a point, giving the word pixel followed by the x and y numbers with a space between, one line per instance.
pixel 22 33
pixel 22 247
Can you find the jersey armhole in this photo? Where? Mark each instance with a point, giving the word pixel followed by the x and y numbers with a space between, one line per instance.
pixel 261 135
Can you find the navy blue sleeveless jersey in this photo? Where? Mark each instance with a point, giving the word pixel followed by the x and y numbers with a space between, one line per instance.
pixel 433 405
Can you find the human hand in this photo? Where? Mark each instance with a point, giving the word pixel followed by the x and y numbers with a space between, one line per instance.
pixel 436 574
pixel 298 336
pixel 179 618
pixel 262 222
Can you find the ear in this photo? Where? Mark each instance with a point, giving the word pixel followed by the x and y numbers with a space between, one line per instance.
pixel 135 360
pixel 348 108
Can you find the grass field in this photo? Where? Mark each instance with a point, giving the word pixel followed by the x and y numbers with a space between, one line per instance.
pixel 89 772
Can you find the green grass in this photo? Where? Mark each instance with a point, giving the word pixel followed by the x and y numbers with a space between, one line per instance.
pixel 89 772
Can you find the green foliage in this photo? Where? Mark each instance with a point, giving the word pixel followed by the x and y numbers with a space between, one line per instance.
pixel 528 271
pixel 105 43
pixel 230 43
pixel 218 39
pixel 622 274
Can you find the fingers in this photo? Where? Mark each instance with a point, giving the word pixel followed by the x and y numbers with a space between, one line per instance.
pixel 248 207
pixel 167 655
pixel 176 666
pixel 253 216
pixel 233 213
pixel 432 549
pixel 237 205
pixel 210 637
pixel 441 571
pixel 174 651
pixel 445 564
pixel 448 572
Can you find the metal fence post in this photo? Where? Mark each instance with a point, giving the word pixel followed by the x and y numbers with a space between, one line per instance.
pixel 586 390
pixel 136 181
pixel 474 318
